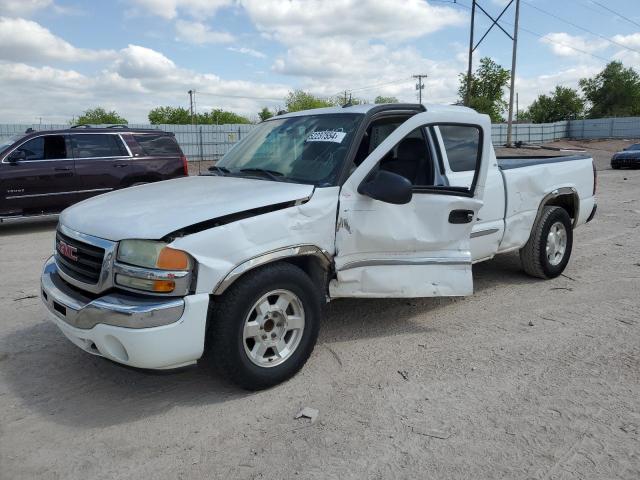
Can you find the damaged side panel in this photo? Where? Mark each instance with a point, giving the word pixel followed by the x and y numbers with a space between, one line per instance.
pixel 527 187
pixel 406 281
pixel 410 250
pixel 221 249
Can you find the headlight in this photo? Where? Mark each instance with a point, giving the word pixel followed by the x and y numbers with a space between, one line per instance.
pixel 151 254
pixel 154 267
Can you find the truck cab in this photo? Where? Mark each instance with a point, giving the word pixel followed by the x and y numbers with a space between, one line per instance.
pixel 233 268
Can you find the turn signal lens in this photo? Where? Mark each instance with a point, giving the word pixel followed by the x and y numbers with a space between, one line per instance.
pixel 164 286
pixel 161 286
pixel 171 259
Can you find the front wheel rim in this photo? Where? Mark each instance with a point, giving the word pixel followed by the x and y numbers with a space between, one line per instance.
pixel 556 243
pixel 273 328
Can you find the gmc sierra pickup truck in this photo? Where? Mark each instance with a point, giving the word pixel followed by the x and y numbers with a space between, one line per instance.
pixel 363 201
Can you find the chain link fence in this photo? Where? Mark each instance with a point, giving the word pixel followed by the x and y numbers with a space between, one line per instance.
pixel 202 144
pixel 205 144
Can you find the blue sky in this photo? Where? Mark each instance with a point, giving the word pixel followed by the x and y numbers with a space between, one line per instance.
pixel 60 57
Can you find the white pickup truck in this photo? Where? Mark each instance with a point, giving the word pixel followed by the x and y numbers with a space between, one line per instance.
pixel 363 201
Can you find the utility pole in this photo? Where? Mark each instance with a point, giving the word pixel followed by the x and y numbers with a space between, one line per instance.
pixel 472 48
pixel 467 99
pixel 345 98
pixel 191 92
pixel 513 73
pixel 420 85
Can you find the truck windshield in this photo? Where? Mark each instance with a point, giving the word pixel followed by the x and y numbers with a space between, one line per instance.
pixel 306 149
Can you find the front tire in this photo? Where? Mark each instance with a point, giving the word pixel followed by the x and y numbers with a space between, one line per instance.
pixel 264 327
pixel 548 250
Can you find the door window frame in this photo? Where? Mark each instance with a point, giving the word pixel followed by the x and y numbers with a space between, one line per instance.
pixel 440 189
pixel 67 144
pixel 74 150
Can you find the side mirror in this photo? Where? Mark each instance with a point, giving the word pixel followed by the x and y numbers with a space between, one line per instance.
pixel 16 156
pixel 387 187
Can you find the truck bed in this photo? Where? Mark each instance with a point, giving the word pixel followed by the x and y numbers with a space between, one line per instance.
pixel 507 163
pixel 529 180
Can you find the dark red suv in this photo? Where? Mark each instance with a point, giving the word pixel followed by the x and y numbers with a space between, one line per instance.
pixel 45 172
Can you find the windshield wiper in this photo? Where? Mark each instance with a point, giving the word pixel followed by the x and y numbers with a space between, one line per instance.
pixel 272 174
pixel 222 171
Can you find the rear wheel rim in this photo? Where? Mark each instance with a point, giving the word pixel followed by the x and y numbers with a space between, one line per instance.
pixel 556 243
pixel 273 328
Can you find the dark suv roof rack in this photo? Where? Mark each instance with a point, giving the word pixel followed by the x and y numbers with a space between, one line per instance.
pixel 118 126
pixel 83 125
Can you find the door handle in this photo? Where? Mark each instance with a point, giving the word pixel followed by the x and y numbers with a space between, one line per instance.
pixel 121 165
pixel 62 169
pixel 461 216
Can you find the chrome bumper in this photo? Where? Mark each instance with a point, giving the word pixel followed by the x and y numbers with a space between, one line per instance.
pixel 117 309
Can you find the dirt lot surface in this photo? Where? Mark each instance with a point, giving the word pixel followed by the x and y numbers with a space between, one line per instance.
pixel 527 379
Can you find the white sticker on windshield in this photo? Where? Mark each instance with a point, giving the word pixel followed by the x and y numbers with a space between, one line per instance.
pixel 326 136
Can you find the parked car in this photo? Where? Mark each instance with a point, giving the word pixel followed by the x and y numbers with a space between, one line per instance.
pixel 364 201
pixel 629 157
pixel 45 172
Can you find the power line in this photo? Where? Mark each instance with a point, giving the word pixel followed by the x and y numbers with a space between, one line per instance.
pixel 568 22
pixel 375 85
pixel 539 35
pixel 615 13
pixel 238 96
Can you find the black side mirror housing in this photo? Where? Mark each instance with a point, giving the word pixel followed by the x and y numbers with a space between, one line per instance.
pixel 16 156
pixel 387 187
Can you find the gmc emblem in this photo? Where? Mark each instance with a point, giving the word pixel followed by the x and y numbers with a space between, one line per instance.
pixel 67 250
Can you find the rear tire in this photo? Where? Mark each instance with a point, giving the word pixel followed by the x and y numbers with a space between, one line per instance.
pixel 548 250
pixel 264 327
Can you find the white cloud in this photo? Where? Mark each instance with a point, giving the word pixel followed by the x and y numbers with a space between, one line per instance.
pixel 137 81
pixel 344 44
pixel 23 7
pixel 628 57
pixel 632 40
pixel 141 62
pixel 291 20
pixel 530 88
pixel 247 51
pixel 199 33
pixel 566 45
pixel 25 40
pixel 169 9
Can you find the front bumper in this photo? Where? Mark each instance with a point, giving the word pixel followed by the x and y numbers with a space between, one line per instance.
pixel 139 331
pixel 625 162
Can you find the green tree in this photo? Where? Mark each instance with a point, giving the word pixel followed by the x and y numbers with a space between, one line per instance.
pixel 217 116
pixel 182 116
pixel 98 116
pixel 613 92
pixel 265 114
pixel 169 115
pixel 562 104
pixel 301 100
pixel 381 99
pixel 487 89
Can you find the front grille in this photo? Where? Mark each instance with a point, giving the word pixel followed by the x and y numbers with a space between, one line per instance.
pixel 79 260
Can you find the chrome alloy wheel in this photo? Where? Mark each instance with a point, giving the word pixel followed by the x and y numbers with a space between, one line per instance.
pixel 556 243
pixel 273 329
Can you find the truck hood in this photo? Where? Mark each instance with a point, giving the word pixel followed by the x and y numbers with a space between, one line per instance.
pixel 154 210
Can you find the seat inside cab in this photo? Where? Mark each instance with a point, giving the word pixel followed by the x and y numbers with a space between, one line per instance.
pixel 414 157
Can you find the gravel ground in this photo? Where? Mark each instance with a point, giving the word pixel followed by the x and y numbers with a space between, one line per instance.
pixel 526 379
